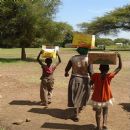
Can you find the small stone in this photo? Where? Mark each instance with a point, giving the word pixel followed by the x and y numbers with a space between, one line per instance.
pixel 28 119
pixel 18 122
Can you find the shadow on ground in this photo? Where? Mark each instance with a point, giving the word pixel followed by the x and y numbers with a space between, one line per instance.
pixel 54 112
pixel 24 102
pixel 125 106
pixel 11 60
pixel 68 126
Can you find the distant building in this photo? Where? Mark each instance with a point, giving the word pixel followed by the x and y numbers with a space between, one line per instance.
pixel 119 44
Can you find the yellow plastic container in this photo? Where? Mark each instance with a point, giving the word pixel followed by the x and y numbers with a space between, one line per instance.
pixel 49 53
pixel 83 40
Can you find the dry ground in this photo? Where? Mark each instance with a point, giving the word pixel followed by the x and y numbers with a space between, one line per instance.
pixel 19 88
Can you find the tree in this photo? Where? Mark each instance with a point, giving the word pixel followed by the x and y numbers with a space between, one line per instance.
pixel 68 38
pixel 104 41
pixel 110 23
pixel 56 31
pixel 21 21
pixel 122 40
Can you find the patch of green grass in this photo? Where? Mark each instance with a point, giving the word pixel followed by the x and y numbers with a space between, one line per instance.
pixel 115 47
pixel 13 55
pixel 2 128
pixel 16 52
pixel 67 49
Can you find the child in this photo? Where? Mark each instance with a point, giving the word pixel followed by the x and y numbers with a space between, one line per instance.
pixel 102 95
pixel 79 84
pixel 47 80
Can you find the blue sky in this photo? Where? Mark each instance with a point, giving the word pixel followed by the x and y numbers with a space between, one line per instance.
pixel 78 11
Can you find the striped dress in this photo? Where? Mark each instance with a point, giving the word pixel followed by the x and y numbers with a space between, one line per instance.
pixel 79 83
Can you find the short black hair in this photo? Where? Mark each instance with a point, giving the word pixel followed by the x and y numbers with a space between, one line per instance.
pixel 104 67
pixel 48 60
pixel 82 50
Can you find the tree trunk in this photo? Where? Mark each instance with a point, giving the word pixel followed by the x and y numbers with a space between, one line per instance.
pixel 23 54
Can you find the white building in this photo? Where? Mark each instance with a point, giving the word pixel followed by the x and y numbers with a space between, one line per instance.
pixel 119 44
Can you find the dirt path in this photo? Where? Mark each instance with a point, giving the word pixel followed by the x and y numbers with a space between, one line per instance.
pixel 19 90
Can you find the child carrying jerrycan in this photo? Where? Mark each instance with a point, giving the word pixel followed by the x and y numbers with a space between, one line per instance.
pixel 47 79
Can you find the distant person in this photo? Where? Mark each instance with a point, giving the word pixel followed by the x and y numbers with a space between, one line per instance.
pixel 102 94
pixel 47 79
pixel 79 84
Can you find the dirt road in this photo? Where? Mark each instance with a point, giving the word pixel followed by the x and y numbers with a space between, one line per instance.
pixel 19 101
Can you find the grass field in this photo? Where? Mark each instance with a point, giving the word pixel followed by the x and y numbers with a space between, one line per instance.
pixel 15 53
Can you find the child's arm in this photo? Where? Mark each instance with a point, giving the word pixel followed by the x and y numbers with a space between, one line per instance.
pixel 38 58
pixel 90 69
pixel 119 65
pixel 59 59
pixel 68 67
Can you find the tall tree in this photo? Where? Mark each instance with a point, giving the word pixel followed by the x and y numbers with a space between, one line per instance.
pixel 21 21
pixel 56 31
pixel 110 23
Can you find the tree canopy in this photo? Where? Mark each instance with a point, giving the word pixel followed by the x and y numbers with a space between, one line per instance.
pixel 56 31
pixel 111 23
pixel 103 41
pixel 22 22
pixel 122 40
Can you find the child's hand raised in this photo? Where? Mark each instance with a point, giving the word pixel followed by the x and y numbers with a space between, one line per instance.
pixel 118 55
pixel 41 51
pixel 66 74
pixel 57 53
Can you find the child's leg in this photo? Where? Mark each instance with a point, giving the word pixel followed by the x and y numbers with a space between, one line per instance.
pixel 98 117
pixel 75 116
pixel 81 108
pixel 50 88
pixel 49 97
pixel 77 112
pixel 105 114
pixel 43 94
